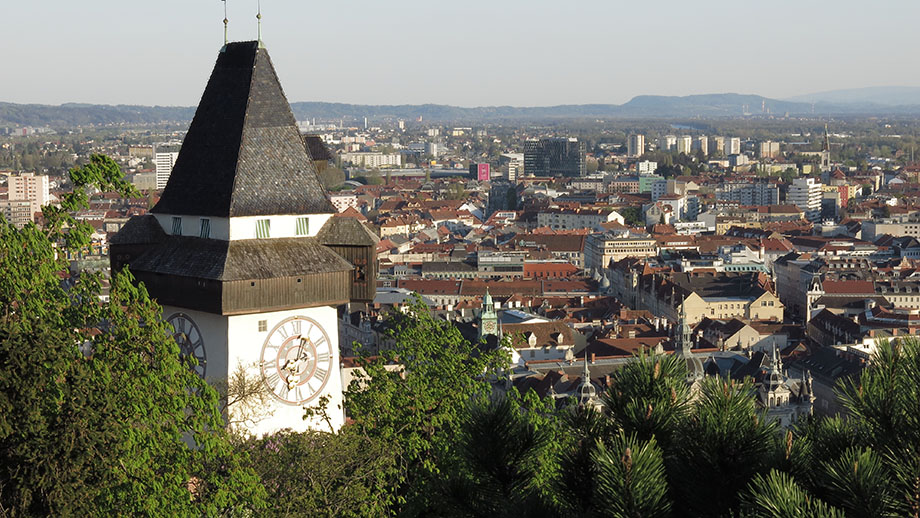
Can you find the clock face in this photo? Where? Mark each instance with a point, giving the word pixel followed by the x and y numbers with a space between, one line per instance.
pixel 191 343
pixel 489 327
pixel 296 360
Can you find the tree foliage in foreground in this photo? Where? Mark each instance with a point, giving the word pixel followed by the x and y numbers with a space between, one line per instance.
pixel 654 448
pixel 416 409
pixel 96 406
pixel 322 474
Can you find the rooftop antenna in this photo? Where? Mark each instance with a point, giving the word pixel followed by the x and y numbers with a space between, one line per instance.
pixel 226 39
pixel 259 18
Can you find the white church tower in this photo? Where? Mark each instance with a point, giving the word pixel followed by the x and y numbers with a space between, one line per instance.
pixel 242 250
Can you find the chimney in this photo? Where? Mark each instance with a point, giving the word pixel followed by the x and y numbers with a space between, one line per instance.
pixel 631 333
pixel 592 357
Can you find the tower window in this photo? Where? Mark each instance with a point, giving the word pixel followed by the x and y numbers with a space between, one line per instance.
pixel 263 326
pixel 205 228
pixel 177 226
pixel 262 228
pixel 303 226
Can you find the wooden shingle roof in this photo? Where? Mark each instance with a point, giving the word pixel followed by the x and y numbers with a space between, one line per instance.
pixel 240 260
pixel 243 154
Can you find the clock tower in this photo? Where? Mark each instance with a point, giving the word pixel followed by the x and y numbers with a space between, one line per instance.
pixel 243 252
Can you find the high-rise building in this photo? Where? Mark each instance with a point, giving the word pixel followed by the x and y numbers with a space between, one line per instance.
pixel 683 144
pixel 701 144
pixel 635 146
pixel 667 143
pixel 244 255
pixel 31 188
pixel 732 146
pixel 514 163
pixel 768 149
pixel 554 157
pixel 164 163
pixel 717 145
pixel 805 193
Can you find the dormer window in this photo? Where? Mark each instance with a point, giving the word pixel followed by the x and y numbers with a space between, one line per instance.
pixel 177 226
pixel 205 232
pixel 303 226
pixel 263 228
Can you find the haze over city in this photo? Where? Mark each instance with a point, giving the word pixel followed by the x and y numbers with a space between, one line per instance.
pixel 472 53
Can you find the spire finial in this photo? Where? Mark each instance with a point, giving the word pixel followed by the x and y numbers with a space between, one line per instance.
pixel 226 39
pixel 259 22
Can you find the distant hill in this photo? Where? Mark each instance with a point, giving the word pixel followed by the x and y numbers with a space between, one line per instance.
pixel 900 101
pixel 875 95
pixel 72 114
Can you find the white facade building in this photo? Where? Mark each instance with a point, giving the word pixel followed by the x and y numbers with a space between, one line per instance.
pixel 732 146
pixel 164 163
pixel 805 193
pixel 635 145
pixel 373 159
pixel 343 201
pixel 667 143
pixel 701 143
pixel 646 167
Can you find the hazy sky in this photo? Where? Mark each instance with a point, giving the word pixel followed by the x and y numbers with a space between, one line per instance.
pixel 466 53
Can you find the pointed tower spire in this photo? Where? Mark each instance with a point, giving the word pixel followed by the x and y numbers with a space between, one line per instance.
pixel 243 154
pixel 488 319
pixel 226 39
pixel 259 23
pixel 683 333
pixel 586 392
pixel 682 348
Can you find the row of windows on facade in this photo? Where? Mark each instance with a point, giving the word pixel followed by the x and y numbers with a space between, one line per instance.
pixel 263 227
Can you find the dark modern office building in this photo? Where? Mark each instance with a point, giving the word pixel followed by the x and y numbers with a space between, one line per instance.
pixel 554 157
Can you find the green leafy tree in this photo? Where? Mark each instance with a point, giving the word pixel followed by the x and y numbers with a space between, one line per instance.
pixel 331 177
pixel 414 395
pixel 322 474
pixel 632 216
pixel 97 407
pixel 455 191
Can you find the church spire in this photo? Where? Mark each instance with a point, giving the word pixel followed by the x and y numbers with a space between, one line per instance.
pixel 684 338
pixel 586 392
pixel 488 319
pixel 683 347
